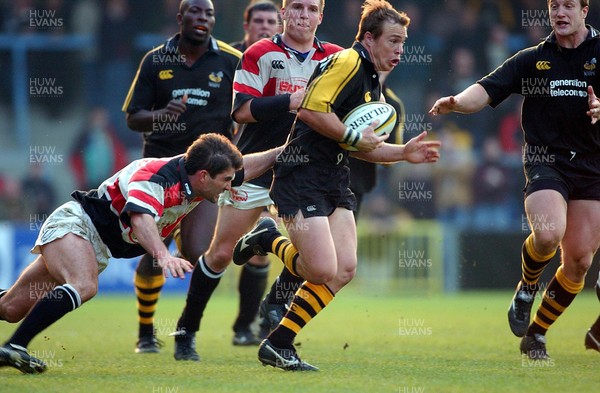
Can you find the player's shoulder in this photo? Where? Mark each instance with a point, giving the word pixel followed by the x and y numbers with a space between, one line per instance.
pixel 150 56
pixel 228 49
pixel 329 47
pixel 262 47
pixel 346 57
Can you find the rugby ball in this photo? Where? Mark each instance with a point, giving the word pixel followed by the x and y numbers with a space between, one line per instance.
pixel 361 116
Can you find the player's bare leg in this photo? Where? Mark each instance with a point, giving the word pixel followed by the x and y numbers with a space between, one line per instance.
pixel 70 262
pixel 579 244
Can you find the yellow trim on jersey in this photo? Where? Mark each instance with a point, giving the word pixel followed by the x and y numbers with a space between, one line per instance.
pixel 229 49
pixel 130 92
pixel 400 129
pixel 326 87
pixel 137 74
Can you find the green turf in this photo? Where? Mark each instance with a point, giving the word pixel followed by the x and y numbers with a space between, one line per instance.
pixel 362 343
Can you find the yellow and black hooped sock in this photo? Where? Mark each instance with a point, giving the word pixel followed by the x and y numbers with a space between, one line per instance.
pixel 533 263
pixel 558 296
pixel 147 291
pixel 308 302
pixel 283 248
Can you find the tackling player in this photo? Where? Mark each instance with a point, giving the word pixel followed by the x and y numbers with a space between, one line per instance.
pixel 130 213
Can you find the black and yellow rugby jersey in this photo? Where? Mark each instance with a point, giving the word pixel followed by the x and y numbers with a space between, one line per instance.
pixel 339 84
pixel 208 83
pixel 554 82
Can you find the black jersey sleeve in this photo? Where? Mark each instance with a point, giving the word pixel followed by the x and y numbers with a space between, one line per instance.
pixel 142 93
pixel 507 78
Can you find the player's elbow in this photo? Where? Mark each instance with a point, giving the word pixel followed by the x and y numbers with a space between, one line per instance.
pixel 134 123
pixel 243 116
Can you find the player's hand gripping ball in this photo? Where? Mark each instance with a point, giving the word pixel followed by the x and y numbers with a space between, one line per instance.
pixel 363 115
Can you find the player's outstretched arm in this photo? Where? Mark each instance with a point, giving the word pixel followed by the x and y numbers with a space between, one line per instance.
pixel 473 99
pixel 255 164
pixel 416 151
pixel 145 230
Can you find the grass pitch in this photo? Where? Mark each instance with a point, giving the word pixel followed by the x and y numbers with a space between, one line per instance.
pixel 363 342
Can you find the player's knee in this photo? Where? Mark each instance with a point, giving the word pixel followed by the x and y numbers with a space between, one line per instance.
pixel 581 265
pixel 345 275
pixel 86 290
pixel 321 275
pixel 547 242
pixel 220 258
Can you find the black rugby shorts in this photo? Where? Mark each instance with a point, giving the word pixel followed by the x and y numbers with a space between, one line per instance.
pixel 314 190
pixel 575 176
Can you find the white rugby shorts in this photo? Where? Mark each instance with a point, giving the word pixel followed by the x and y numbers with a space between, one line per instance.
pixel 245 197
pixel 71 218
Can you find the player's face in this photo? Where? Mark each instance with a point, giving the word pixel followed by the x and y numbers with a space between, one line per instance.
pixel 566 16
pixel 262 24
pixel 386 49
pixel 301 19
pixel 197 20
pixel 209 187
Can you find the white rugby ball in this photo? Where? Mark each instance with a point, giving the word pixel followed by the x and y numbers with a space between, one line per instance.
pixel 361 116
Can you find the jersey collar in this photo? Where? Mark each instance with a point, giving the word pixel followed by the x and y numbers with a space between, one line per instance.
pixel 362 51
pixel 173 42
pixel 186 186
pixel 279 42
pixel 592 33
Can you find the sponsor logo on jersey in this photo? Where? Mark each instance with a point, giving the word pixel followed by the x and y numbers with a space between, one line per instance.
pixel 215 79
pixel 590 67
pixel 542 65
pixel 289 87
pixel 368 96
pixel 165 74
pixel 277 64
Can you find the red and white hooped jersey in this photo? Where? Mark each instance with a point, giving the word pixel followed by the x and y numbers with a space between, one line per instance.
pixel 159 187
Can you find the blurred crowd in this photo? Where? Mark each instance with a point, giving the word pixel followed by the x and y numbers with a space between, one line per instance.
pixel 451 44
